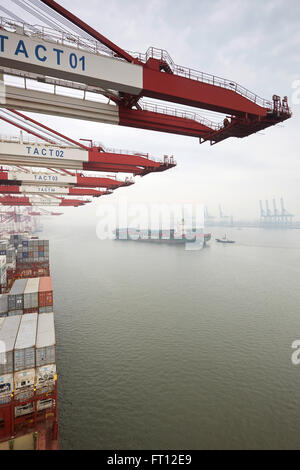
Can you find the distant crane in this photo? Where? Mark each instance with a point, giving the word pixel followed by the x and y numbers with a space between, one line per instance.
pixel 269 215
pixel 262 212
pixel 225 219
pixel 275 212
pixel 275 218
pixel 207 216
pixel 285 216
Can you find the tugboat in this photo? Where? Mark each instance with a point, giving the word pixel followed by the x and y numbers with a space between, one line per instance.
pixel 224 240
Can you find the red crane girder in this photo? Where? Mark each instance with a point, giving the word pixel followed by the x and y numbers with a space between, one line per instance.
pixel 98 159
pixel 25 201
pixel 164 80
pixel 11 189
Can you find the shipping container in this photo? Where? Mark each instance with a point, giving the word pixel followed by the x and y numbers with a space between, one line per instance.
pixel 45 292
pixel 8 335
pixel 45 339
pixel 45 374
pixel 46 309
pixel 23 410
pixel 16 295
pixel 31 296
pixel 45 404
pixel 3 305
pixel 6 384
pixel 13 313
pixel 24 352
pixel 24 378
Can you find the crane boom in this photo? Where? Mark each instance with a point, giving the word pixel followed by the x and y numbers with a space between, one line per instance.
pixel 47 153
pixel 38 178
pixel 40 201
pixel 127 77
pixel 51 190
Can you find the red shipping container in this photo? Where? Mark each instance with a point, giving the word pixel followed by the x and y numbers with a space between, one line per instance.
pixel 45 292
pixel 30 310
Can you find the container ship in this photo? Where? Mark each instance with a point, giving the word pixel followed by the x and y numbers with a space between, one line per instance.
pixel 28 377
pixel 171 236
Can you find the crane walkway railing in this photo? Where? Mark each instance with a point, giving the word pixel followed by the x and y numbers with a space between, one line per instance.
pixel 32 141
pixel 193 74
pixel 53 35
pixel 130 152
pixel 178 112
pixel 95 47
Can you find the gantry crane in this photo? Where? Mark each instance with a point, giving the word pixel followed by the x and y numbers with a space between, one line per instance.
pixel 43 211
pixel 18 219
pixel 90 62
pixel 285 216
pixel 60 151
pixel 20 176
pixel 51 190
pixel 40 201
pixel 263 214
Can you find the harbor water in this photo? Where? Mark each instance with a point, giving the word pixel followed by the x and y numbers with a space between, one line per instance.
pixel 163 348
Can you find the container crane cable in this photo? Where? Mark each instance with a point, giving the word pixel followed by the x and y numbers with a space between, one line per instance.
pixel 11 14
pixel 34 13
pixel 62 140
pixel 54 20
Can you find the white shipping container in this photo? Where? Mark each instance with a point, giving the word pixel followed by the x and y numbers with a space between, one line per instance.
pixel 31 296
pixel 8 335
pixel 24 378
pixel 6 384
pixel 24 352
pixel 44 404
pixel 16 295
pixel 45 374
pixel 23 410
pixel 45 339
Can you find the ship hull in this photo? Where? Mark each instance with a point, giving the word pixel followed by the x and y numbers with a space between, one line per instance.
pixel 159 238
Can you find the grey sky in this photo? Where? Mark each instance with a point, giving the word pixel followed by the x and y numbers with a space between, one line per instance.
pixel 254 43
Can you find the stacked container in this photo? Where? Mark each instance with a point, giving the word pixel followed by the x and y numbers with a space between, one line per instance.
pixel 33 258
pixel 45 349
pixel 32 270
pixel 17 238
pixel 8 250
pixel 24 352
pixel 3 305
pixel 8 334
pixel 31 295
pixel 27 332
pixel 16 297
pixel 27 356
pixel 4 244
pixel 2 271
pixel 33 251
pixel 45 295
